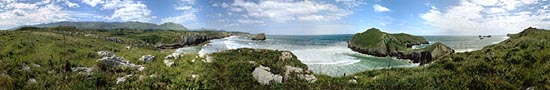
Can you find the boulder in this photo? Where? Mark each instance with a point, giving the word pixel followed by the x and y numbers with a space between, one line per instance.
pixel 260 36
pixel 264 76
pixel 147 58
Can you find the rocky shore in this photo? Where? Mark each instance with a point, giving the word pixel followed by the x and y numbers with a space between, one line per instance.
pixel 190 39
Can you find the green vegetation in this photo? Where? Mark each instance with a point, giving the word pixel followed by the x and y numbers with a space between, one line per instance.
pixel 373 38
pixel 517 63
pixel 56 49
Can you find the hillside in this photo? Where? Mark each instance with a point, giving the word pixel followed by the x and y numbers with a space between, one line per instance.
pixel 116 25
pixel 377 43
pixel 49 59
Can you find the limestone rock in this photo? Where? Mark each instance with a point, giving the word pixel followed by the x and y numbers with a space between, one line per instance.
pixel 173 56
pixel 26 67
pixel 300 73
pixel 31 81
pixel 105 54
pixel 352 81
pixel 112 61
pixel 260 36
pixel 147 58
pixel 264 76
pixel 120 80
pixel 168 62
pixel 82 70
pixel 285 56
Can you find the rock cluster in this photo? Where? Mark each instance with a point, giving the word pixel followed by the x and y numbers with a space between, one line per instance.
pixel 111 61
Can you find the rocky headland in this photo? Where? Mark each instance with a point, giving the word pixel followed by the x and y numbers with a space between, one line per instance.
pixel 377 43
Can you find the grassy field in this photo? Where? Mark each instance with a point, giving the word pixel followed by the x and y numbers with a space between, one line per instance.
pixel 517 63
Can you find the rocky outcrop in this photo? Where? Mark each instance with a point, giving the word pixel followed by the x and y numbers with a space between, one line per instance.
pixel 381 44
pixel 190 39
pixel 260 36
pixel 110 61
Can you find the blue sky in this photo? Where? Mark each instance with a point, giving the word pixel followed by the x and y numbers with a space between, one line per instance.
pixel 295 17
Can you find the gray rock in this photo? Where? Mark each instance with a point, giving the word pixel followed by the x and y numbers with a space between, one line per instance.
pixel 300 73
pixel 264 76
pixel 83 70
pixel 173 56
pixel 147 58
pixel 114 62
pixel 35 65
pixel 110 60
pixel 105 54
pixel 120 80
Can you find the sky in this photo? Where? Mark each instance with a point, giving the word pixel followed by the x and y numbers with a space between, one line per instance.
pixel 295 17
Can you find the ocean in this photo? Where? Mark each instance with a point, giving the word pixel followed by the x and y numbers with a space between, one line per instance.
pixel 329 55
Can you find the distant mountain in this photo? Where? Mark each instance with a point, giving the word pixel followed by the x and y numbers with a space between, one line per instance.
pixel 116 25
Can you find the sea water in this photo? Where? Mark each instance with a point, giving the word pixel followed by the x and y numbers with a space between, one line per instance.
pixel 329 54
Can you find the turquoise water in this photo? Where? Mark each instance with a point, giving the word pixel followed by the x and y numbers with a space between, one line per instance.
pixel 328 54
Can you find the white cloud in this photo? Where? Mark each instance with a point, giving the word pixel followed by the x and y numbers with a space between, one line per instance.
pixel 186 14
pixel 289 10
pixel 249 21
pixel 378 8
pixel 351 3
pixel 473 18
pixel 71 4
pixel 93 3
pixel 16 13
pixel 132 12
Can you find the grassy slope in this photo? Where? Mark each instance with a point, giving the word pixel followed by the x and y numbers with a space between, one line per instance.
pixel 46 48
pixel 517 63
